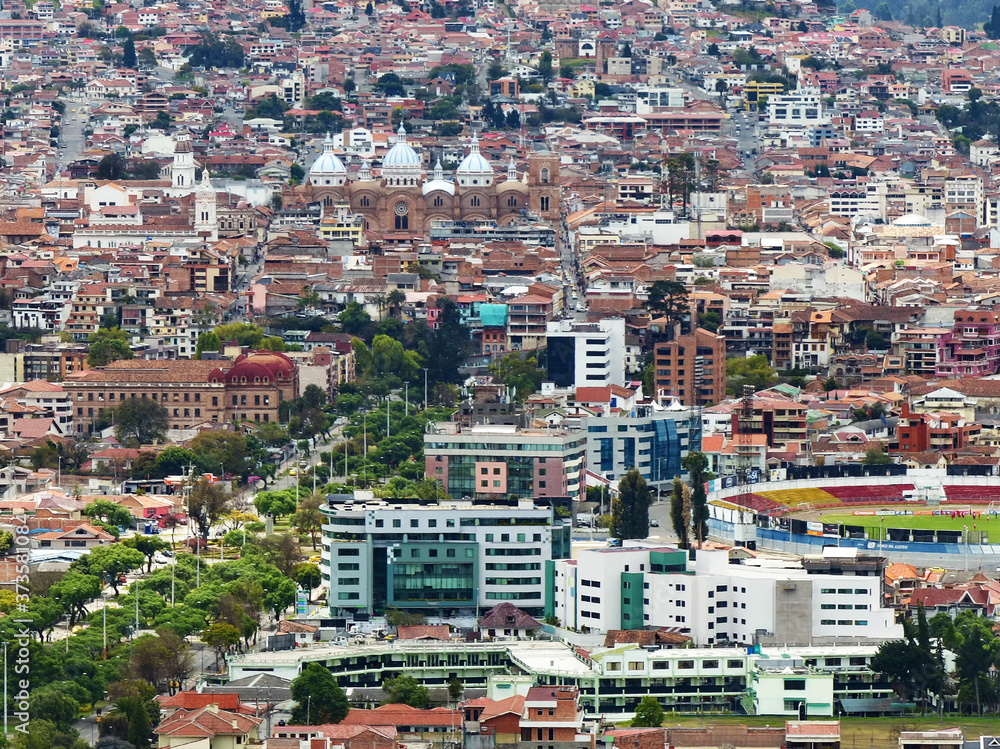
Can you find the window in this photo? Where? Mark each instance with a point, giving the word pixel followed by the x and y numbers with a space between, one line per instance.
pixel 635 666
pixel 734 663
pixel 397 523
pixel 544 203
pixel 414 523
pixel 710 664
pixel 348 580
pixel 685 665
pixel 348 566
pixel 795 685
pixel 475 202
pixel 614 666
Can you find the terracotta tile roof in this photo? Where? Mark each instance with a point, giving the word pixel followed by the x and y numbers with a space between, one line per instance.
pixel 206 722
pixel 403 715
pixel 189 700
pixel 496 708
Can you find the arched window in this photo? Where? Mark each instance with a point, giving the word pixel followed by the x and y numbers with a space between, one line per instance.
pixel 402 223
pixel 545 175
pixel 512 201
pixel 474 202
pixel 438 202
pixel 365 202
pixel 327 201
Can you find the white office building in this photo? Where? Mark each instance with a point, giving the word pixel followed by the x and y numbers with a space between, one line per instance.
pixel 586 354
pixel 819 600
pixel 446 559
pixel 802 108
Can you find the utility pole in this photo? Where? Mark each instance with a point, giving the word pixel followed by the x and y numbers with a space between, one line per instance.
pixel 425 387
pixel 406 398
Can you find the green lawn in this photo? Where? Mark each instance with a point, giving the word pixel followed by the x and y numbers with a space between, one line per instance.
pixel 990 523
pixel 855 732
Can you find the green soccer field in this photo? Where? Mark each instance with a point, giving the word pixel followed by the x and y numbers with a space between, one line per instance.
pixel 990 523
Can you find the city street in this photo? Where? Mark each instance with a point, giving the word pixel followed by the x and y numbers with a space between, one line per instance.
pixel 72 141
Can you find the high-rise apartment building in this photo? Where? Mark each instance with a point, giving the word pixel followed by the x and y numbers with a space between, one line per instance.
pixel 692 368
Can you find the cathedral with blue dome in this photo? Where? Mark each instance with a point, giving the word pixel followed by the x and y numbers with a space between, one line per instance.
pixel 399 196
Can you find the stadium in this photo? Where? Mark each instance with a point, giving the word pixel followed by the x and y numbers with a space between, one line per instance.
pixel 920 515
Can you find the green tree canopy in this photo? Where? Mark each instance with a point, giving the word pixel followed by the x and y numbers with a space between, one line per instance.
pixel 630 509
pixel 696 464
pixel 406 690
pixel 649 713
pixel 752 370
pixel 318 697
pixel 108 345
pixel 140 421
pixel 108 512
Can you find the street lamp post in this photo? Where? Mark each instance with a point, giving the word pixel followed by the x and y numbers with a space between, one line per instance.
pixel 425 387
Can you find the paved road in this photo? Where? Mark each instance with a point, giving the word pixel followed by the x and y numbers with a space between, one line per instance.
pixel 72 141
pixel 748 137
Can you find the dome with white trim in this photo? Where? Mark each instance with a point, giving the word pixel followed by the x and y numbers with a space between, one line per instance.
pixel 439 182
pixel 474 170
pixel 402 165
pixel 327 169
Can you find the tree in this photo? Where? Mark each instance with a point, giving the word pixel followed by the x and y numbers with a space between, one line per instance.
pixel 874 456
pixel 147 546
pixel 55 705
pixel 308 519
pixel 678 517
pixel 630 509
pixel 295 19
pixel 754 370
pixel 44 734
pixel 668 299
pixel 649 713
pixel 108 345
pixel 206 504
pixel 406 690
pixel 161 658
pixel 495 70
pixel 353 320
pixel 220 637
pixel 992 27
pixel 545 66
pixel 112 562
pixel 275 503
pixel 147 59
pixel 281 550
pixel 695 464
pixel 882 12
pixel 710 321
pixel 207 341
pixel 108 512
pixel 976 649
pixel 369 9
pixel 139 421
pixel 318 697
pixel 112 167
pixel 349 86
pixel 308 576
pixel 129 59
pixel 74 591
pixel 226 450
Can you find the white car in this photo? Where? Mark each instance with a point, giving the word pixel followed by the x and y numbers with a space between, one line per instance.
pixel 160 558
